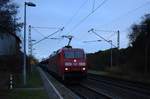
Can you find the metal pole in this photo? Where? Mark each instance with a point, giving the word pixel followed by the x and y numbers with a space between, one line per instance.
pixel 111 58
pixel 24 65
pixel 146 54
pixel 30 47
pixel 118 43
pixel 93 7
pixel 30 41
pixel 146 57
pixel 118 39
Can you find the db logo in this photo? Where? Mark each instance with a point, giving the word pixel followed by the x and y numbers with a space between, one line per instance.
pixel 75 64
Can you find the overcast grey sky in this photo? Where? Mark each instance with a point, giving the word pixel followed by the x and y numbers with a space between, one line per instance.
pixel 113 15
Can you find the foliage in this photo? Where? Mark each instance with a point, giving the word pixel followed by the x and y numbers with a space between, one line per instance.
pixel 101 59
pixel 8 19
pixel 135 58
pixel 139 32
pixel 33 58
pixel 140 41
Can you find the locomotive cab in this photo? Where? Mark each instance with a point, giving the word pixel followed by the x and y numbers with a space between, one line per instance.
pixel 74 63
pixel 68 62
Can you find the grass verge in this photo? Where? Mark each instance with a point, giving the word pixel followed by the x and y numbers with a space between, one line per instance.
pixel 26 94
pixel 32 90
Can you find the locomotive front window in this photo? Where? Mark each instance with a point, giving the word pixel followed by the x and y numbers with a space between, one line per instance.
pixel 69 54
pixel 73 54
pixel 78 54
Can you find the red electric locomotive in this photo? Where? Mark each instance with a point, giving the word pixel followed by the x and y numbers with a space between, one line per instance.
pixel 68 62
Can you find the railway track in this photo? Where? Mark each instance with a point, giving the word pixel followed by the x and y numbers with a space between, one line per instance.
pixel 124 86
pixel 121 82
pixel 86 93
pixel 80 90
pixel 117 89
pixel 100 87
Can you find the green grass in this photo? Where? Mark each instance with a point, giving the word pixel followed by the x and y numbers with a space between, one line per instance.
pixel 24 94
pixel 34 79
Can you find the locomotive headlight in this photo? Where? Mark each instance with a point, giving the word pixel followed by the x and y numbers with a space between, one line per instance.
pixel 66 69
pixel 83 68
pixel 82 64
pixel 68 63
pixel 74 60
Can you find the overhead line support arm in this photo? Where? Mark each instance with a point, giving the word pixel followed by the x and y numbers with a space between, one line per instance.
pixel 48 36
pixel 100 36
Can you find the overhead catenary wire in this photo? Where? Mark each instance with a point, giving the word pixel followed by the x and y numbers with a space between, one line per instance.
pixel 36 29
pixel 101 37
pixel 112 35
pixel 128 12
pixel 54 38
pixel 92 41
pixel 38 32
pixel 46 27
pixel 46 37
pixel 81 21
pixel 75 14
pixel 106 31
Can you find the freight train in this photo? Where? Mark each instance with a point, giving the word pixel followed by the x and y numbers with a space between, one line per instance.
pixel 67 63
